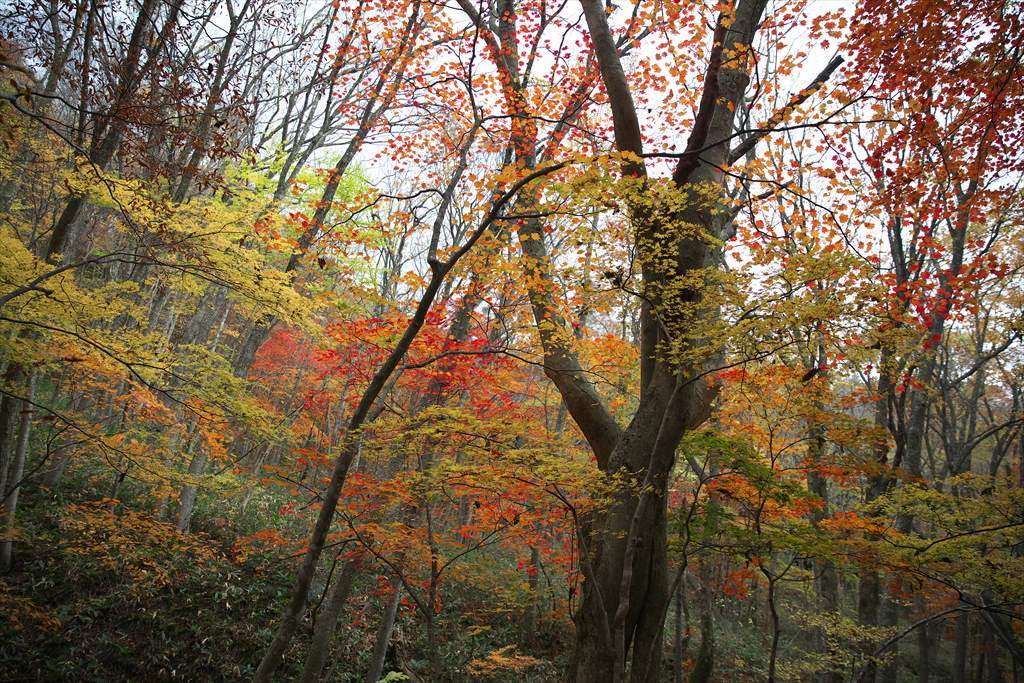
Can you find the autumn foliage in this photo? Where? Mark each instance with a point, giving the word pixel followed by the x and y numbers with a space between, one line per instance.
pixel 524 340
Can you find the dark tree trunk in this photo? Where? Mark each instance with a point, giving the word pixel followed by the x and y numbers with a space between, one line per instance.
pixel 9 502
pixel 383 640
pixel 924 646
pixel 963 634
pixel 704 666
pixel 327 623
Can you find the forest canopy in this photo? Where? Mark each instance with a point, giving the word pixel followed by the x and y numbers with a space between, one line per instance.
pixel 519 340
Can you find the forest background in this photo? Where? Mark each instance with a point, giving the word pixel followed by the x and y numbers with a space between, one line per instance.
pixel 512 340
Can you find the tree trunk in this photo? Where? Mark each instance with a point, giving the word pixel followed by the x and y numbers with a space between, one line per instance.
pixel 826 580
pixel 110 131
pixel 704 666
pixel 187 500
pixel 891 611
pixel 869 595
pixel 532 616
pixel 924 651
pixel 682 635
pixel 53 475
pixel 326 624
pixel 332 492
pixel 995 671
pixel 380 647
pixel 17 471
pixel 625 591
pixel 776 630
pixel 963 633
pixel 9 406
pixel 62 455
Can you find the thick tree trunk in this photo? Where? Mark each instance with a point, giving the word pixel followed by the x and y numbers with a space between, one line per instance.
pixel 625 592
pixel 53 475
pixel 258 334
pixel 891 611
pixel 995 670
pixel 596 658
pixel 868 599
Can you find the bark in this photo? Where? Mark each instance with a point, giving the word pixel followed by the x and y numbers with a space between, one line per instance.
pixel 323 633
pixel 682 636
pixel 773 652
pixel 532 617
pixel 704 666
pixel 115 490
pixel 17 472
pixel 963 633
pixel 891 611
pixel 209 311
pixel 380 647
pixel 53 475
pixel 826 579
pixel 9 406
pixel 869 594
pixel 1001 627
pixel 187 499
pixel 924 645
pixel 995 671
pixel 627 575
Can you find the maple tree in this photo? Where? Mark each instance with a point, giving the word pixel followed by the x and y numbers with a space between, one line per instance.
pixel 514 340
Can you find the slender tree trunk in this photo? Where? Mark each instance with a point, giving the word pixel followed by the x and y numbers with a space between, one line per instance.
pixel 9 406
pixel 826 580
pixel 187 500
pixel 380 647
pixel 682 635
pixel 256 469
pixel 332 492
pixel 62 455
pixel 924 645
pixel 10 501
pixel 869 593
pixel 327 623
pixel 532 617
pixel 115 490
pixel 704 666
pixel 995 671
pixel 773 652
pixel 963 633
pixel 891 611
